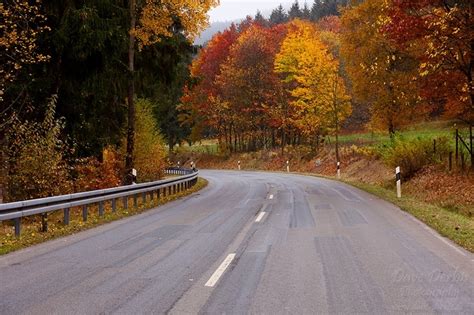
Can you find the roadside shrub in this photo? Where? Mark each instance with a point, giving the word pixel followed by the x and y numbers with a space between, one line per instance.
pixel 150 150
pixel 35 164
pixel 92 174
pixel 413 154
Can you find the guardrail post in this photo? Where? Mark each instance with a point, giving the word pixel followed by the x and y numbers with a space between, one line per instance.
pixel 66 216
pixel 144 197
pixel 44 222
pixel 101 208
pixel 152 195
pixel 84 213
pixel 174 189
pixel 114 205
pixel 169 190
pixel 135 201
pixel 17 226
pixel 125 202
pixel 158 194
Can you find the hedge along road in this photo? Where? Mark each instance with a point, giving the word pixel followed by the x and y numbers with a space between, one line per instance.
pixel 249 242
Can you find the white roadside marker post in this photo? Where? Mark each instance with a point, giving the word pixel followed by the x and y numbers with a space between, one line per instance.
pixel 134 176
pixel 338 169
pixel 238 163
pixel 288 166
pixel 178 165
pixel 399 182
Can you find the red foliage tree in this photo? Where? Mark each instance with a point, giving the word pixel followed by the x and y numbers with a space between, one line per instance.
pixel 441 35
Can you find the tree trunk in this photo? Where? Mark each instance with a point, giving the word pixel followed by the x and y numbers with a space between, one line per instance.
pixel 131 94
pixel 391 128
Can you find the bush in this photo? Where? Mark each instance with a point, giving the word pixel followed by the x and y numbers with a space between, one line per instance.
pixel 35 165
pixel 150 150
pixel 413 154
pixel 92 174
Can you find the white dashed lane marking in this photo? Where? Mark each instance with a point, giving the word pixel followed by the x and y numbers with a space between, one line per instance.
pixel 220 271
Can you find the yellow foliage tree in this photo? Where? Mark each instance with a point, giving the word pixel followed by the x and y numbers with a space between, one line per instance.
pixel 320 102
pixel 150 151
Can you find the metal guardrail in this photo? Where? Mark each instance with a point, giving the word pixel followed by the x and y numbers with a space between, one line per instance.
pixel 16 210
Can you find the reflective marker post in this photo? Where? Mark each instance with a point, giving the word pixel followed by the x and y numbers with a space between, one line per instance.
pixel 399 182
pixel 238 163
pixel 338 167
pixel 134 174
pixel 288 166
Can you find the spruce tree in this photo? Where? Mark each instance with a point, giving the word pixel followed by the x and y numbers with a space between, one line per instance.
pixel 294 12
pixel 278 16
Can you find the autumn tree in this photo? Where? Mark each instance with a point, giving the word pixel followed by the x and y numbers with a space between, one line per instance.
pixel 198 108
pixel 319 99
pixel 249 85
pixel 381 74
pixel 441 35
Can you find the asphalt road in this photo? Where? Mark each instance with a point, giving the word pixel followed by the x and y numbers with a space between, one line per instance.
pixel 250 242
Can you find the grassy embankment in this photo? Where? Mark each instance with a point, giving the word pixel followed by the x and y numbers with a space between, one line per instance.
pixel 30 233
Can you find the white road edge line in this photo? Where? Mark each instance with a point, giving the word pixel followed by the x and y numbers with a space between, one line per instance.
pixel 270 197
pixel 220 271
pixel 260 216
pixel 441 238
pixel 452 246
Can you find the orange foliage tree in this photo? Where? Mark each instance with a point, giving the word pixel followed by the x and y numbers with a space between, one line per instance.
pixel 381 74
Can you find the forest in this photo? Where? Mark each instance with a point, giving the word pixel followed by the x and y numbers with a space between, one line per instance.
pixel 91 89
pixel 298 76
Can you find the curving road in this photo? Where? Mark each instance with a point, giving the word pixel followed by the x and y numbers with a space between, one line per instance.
pixel 250 242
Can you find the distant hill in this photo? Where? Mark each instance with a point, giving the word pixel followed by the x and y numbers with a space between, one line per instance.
pixel 213 28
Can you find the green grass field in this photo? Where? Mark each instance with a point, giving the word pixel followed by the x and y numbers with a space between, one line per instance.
pixel 433 129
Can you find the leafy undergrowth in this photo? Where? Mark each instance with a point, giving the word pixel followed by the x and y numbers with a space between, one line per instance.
pixel 31 227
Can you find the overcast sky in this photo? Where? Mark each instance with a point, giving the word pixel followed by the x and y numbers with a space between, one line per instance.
pixel 230 10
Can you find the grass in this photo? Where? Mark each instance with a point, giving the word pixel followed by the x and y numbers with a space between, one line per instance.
pixel 30 232
pixel 209 146
pixel 453 225
pixel 433 129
